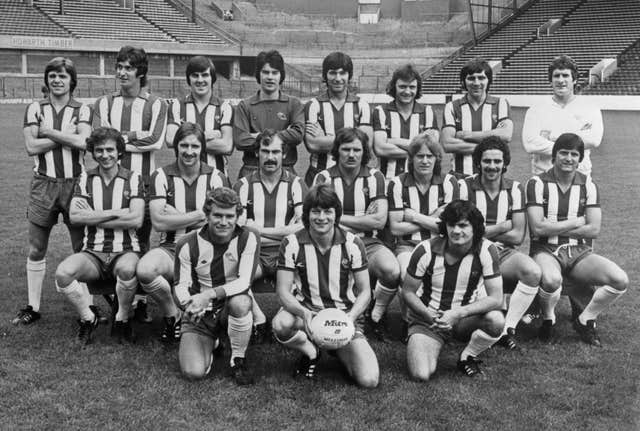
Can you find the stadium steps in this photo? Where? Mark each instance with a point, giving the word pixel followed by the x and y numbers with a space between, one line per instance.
pixel 596 29
pixel 100 19
pixel 626 79
pixel 505 42
pixel 22 20
pixel 168 19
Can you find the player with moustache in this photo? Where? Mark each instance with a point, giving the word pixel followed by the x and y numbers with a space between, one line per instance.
pixel 564 214
pixel 474 117
pixel 176 197
pixel 203 108
pixel 501 201
pixel 272 201
pixel 329 112
pixel 416 199
pixel 109 203
pixel 55 133
pixel 269 108
pixel 324 266
pixel 213 269
pixel 397 122
pixel 442 293
pixel 362 193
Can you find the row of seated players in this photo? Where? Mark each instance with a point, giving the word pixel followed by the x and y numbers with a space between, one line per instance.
pixel 452 285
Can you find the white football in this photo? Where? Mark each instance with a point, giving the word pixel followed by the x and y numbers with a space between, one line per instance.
pixel 332 329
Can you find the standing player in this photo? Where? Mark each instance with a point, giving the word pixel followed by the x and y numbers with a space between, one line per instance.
pixel 501 202
pixel 269 108
pixel 213 270
pixel 330 112
pixel 55 131
pixel 475 116
pixel 441 293
pixel 563 209
pixel 141 118
pixel 563 112
pixel 109 202
pixel 201 107
pixel 397 122
pixel 362 193
pixel 324 266
pixel 176 197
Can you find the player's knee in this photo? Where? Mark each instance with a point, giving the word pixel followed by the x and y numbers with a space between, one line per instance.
pixel 146 272
pixel 620 280
pixel 64 275
pixel 389 273
pixel 493 323
pixel 551 281
pixel 368 379
pixel 423 373
pixel 37 251
pixel 530 274
pixel 282 326
pixel 239 305
pixel 126 272
pixel 193 372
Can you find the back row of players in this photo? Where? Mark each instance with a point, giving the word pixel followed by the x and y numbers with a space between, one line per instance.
pixel 319 246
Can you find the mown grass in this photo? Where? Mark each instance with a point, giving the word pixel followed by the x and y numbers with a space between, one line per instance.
pixel 47 383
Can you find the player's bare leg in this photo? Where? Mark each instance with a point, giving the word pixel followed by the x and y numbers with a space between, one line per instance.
pixel 483 332
pixel 422 356
pixel 361 362
pixel 384 267
pixel 548 294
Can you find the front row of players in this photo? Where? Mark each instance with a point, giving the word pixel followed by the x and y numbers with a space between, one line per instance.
pixel 330 250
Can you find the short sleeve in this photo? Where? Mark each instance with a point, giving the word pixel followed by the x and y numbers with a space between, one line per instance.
pixel 419 260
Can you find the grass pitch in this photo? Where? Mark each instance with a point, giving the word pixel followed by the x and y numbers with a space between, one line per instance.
pixel 46 383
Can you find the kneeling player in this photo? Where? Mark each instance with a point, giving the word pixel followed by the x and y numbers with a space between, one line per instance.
pixel 441 292
pixel 329 268
pixel 108 201
pixel 563 209
pixel 213 270
pixel 501 202
pixel 177 194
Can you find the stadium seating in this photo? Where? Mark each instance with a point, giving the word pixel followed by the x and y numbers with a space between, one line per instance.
pixel 626 79
pixel 170 20
pixel 101 19
pixel 591 30
pixel 21 20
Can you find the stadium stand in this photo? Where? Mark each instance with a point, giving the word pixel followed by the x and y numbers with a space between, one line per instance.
pixel 21 19
pixel 590 30
pixel 626 79
pixel 96 19
pixel 170 20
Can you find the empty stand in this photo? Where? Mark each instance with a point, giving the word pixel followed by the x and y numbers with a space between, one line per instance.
pixel 22 20
pixel 626 79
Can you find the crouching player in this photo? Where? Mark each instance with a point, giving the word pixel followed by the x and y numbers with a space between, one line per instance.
pixel 109 202
pixel 213 270
pixel 563 209
pixel 177 194
pixel 324 266
pixel 441 292
pixel 501 202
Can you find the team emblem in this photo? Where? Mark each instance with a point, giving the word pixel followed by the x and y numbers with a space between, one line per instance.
pixel 282 116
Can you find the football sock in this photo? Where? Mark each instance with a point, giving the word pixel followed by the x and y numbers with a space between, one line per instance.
pixel 79 297
pixel 602 298
pixel 86 289
pixel 239 332
pixel 521 299
pixel 383 296
pixel 35 277
pixel 300 341
pixel 160 290
pixel 258 315
pixel 125 291
pixel 480 341
pixel 548 302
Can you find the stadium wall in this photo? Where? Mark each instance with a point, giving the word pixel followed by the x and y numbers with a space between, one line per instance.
pixel 413 10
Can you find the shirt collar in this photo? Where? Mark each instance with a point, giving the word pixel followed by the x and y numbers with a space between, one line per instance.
pixel 285 176
pixel 339 237
pixel 255 99
pixel 475 183
pixel 72 103
pixel 334 171
pixel 408 180
pixel 578 179
pixel 417 107
pixel 324 97
pixel 213 100
pixel 173 170
pixel 122 172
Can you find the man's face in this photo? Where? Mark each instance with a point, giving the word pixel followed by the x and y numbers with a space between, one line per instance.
pixel 200 83
pixel 322 220
pixel 562 83
pixel 337 80
pixel 460 234
pixel 189 149
pixel 222 222
pixel 59 82
pixel 476 84
pixel 270 156
pixel 491 164
pixel 567 160
pixel 106 154
pixel 406 91
pixel 350 154
pixel 269 79
pixel 424 161
pixel 126 74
